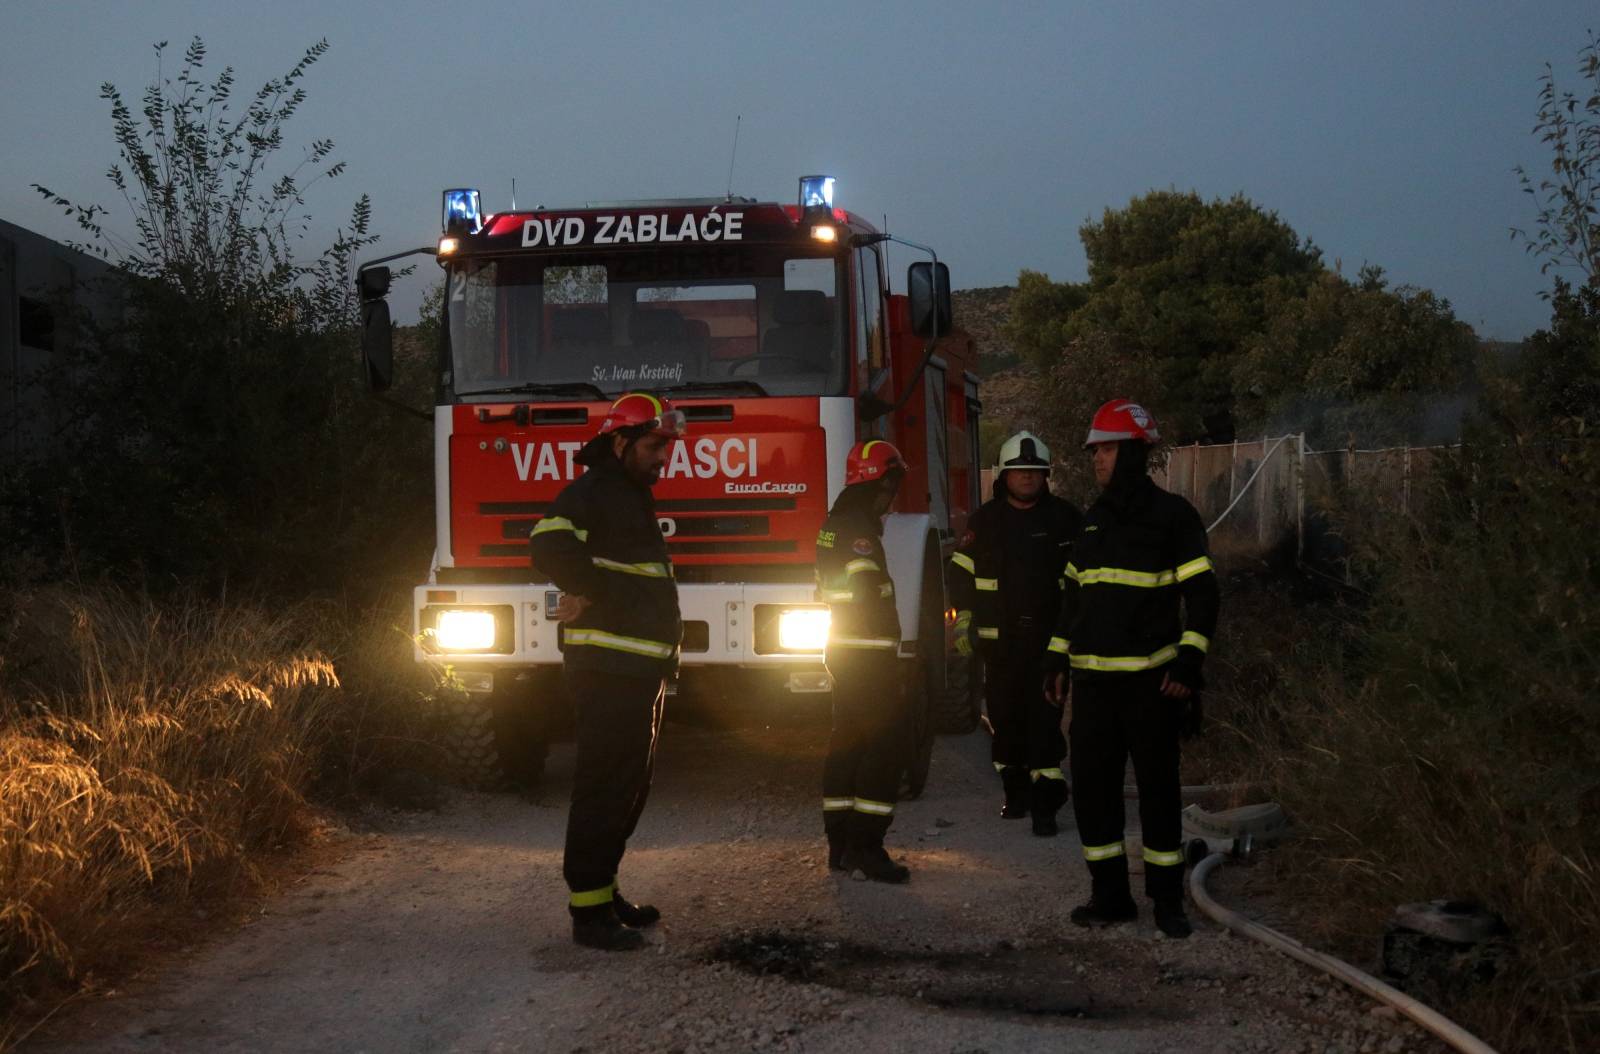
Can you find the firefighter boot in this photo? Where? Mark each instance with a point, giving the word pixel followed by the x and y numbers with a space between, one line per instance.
pixel 1109 899
pixel 836 824
pixel 867 855
pixel 599 927
pixel 1104 911
pixel 635 916
pixel 1014 778
pixel 1171 918
pixel 1048 795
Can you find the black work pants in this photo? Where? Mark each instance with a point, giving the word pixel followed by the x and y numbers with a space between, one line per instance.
pixel 618 721
pixel 1027 729
pixel 1115 716
pixel 866 748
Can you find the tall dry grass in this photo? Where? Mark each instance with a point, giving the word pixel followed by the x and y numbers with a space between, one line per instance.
pixel 155 752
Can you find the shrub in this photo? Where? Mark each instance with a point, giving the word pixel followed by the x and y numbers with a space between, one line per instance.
pixel 151 752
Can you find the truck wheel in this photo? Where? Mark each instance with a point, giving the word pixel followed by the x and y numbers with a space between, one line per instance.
pixel 467 739
pixel 919 731
pixel 500 740
pixel 925 682
pixel 961 704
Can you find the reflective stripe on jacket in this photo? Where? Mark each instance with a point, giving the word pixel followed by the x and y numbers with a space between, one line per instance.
pixel 1140 588
pixel 600 540
pixel 976 571
pixel 853 579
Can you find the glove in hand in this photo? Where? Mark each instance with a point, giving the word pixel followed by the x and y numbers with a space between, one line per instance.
pixel 964 635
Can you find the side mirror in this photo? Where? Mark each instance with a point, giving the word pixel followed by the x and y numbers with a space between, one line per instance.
pixel 373 283
pixel 377 342
pixel 928 287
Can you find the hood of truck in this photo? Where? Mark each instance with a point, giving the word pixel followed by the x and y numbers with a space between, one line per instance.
pixel 748 485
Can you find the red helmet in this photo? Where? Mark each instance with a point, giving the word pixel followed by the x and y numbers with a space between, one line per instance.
pixel 1122 419
pixel 871 460
pixel 644 413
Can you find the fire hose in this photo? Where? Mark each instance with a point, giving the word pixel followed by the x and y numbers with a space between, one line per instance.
pixel 1424 1015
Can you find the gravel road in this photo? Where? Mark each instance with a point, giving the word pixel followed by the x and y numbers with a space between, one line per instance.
pixel 447 931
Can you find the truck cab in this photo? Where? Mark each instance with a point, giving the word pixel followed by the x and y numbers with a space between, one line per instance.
pixel 773 327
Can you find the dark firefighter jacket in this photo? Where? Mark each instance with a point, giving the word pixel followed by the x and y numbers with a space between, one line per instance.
pixel 1011 564
pixel 853 578
pixel 600 540
pixel 1137 557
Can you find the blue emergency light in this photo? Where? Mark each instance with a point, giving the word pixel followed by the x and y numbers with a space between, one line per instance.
pixel 462 213
pixel 816 192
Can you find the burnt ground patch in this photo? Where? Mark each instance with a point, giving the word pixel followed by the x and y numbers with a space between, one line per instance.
pixel 1061 979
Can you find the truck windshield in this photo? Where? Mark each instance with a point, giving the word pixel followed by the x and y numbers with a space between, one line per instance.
pixel 741 315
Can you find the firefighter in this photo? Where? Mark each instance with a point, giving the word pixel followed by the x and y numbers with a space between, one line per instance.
pixel 600 544
pixel 1005 581
pixel 1134 665
pixel 861 776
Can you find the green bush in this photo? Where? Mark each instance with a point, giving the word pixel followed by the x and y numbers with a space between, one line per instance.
pixel 217 432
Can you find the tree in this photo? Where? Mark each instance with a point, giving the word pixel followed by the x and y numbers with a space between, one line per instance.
pixel 1221 316
pixel 1560 370
pixel 1180 281
pixel 1039 312
pixel 1357 358
pixel 221 431
pixel 1567 225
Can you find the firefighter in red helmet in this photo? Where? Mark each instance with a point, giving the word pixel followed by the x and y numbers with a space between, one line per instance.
pixel 601 545
pixel 861 776
pixel 1137 616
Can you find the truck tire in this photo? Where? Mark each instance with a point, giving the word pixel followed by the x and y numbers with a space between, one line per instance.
pixel 500 740
pixel 919 731
pixel 961 703
pixel 467 739
pixel 925 681
pixel 955 682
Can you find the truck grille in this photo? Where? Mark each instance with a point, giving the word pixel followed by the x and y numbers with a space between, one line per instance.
pixel 699 529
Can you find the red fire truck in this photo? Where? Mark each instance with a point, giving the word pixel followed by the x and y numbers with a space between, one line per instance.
pixel 773 327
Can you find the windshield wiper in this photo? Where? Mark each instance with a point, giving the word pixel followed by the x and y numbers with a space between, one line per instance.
pixel 715 386
pixel 572 388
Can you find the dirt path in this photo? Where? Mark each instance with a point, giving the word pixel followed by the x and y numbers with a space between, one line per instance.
pixel 447 932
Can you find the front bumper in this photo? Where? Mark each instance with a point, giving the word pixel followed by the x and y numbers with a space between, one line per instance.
pixel 726 624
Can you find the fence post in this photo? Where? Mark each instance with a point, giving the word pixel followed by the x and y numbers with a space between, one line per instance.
pixel 1233 465
pixel 1349 482
pixel 1261 497
pixel 1194 475
pixel 1300 500
pixel 1405 484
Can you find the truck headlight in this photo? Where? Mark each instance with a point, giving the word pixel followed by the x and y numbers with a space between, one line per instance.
pixel 465 630
pixel 803 629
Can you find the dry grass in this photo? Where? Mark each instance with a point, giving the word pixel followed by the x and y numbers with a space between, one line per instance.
pixel 153 753
pixel 1438 736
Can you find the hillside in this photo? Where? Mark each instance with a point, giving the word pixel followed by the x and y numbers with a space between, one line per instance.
pixel 983 313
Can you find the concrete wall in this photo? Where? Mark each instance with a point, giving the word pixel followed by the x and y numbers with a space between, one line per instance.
pixel 45 287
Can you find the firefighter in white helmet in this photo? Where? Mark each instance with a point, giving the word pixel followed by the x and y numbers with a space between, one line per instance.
pixel 1005 581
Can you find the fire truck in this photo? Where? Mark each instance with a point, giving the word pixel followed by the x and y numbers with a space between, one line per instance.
pixel 774 328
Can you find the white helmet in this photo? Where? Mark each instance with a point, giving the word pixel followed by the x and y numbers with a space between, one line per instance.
pixel 1023 450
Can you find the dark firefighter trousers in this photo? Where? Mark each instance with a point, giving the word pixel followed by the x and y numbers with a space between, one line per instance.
pixel 866 748
pixel 1027 729
pixel 1116 716
pixel 618 721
